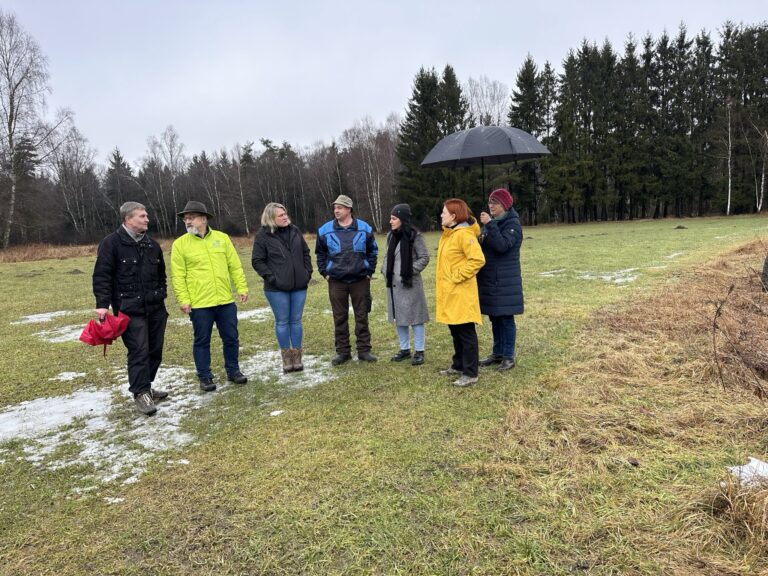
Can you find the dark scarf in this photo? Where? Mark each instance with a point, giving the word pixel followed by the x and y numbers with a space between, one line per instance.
pixel 405 236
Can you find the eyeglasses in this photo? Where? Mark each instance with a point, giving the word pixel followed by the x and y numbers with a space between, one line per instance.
pixel 190 217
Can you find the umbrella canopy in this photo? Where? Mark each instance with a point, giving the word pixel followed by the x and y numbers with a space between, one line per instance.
pixel 484 145
pixel 106 332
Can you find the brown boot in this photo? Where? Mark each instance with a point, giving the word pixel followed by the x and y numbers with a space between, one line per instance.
pixel 287 360
pixel 298 366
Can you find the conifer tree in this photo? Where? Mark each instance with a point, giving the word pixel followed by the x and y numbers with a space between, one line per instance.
pixel 418 133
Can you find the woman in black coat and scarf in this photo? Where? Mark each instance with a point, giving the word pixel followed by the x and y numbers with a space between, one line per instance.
pixel 406 257
pixel 500 282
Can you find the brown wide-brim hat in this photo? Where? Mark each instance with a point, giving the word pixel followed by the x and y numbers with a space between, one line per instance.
pixel 196 208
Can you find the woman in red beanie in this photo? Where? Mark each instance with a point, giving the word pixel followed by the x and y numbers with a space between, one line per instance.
pixel 500 283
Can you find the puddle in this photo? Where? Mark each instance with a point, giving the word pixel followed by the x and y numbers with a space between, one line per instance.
pixel 100 428
pixel 618 277
pixel 58 335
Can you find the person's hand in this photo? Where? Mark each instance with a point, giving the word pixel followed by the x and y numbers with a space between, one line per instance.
pixel 186 308
pixel 243 297
pixel 101 313
pixel 485 217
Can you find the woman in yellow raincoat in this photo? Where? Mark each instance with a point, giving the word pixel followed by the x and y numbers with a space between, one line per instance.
pixel 459 259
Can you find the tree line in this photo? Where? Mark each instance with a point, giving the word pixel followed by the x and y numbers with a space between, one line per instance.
pixel 672 126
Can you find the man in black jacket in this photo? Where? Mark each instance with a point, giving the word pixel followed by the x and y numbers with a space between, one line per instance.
pixel 129 275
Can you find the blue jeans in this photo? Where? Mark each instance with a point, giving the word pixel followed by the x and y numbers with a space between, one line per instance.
pixel 504 334
pixel 287 308
pixel 418 337
pixel 225 317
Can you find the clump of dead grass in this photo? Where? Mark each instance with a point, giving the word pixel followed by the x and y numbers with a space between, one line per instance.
pixel 741 513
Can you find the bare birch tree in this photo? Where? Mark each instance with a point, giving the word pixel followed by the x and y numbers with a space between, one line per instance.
pixel 23 88
pixel 172 151
pixel 488 101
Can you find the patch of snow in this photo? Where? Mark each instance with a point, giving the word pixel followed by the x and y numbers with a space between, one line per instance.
pixel 180 321
pixel 755 471
pixel 78 490
pixel 44 317
pixel 182 461
pixel 110 500
pixel 276 412
pixel 255 315
pixel 101 428
pixel 269 365
pixel 33 418
pixel 58 335
pixel 674 255
pixel 68 376
pixel 618 277
pixel 552 273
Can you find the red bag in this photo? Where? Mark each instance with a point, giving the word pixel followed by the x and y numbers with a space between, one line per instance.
pixel 98 333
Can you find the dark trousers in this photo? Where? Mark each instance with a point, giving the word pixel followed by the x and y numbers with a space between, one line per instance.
pixel 340 293
pixel 466 352
pixel 504 335
pixel 225 317
pixel 144 340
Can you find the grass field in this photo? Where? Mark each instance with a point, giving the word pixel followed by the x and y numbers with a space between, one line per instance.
pixel 605 451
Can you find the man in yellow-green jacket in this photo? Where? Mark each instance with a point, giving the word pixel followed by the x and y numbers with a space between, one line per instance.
pixel 204 265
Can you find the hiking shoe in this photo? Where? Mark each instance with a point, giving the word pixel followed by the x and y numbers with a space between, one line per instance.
pixel 465 381
pixel 401 355
pixel 418 358
pixel 238 378
pixel 491 360
pixel 506 364
pixel 207 385
pixel 158 394
pixel 366 357
pixel 450 372
pixel 145 404
pixel 339 359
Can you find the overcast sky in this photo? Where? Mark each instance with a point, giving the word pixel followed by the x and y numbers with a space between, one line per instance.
pixel 230 71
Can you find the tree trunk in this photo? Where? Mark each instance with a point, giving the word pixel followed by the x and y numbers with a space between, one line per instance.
pixel 11 209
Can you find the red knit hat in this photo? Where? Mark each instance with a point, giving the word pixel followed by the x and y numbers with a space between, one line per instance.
pixel 503 197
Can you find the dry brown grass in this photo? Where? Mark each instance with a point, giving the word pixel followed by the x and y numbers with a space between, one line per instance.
pixel 35 252
pixel 678 375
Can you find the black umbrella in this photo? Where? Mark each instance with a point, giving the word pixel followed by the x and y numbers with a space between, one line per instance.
pixel 483 145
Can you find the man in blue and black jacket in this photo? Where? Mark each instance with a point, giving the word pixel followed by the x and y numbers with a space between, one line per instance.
pixel 346 253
